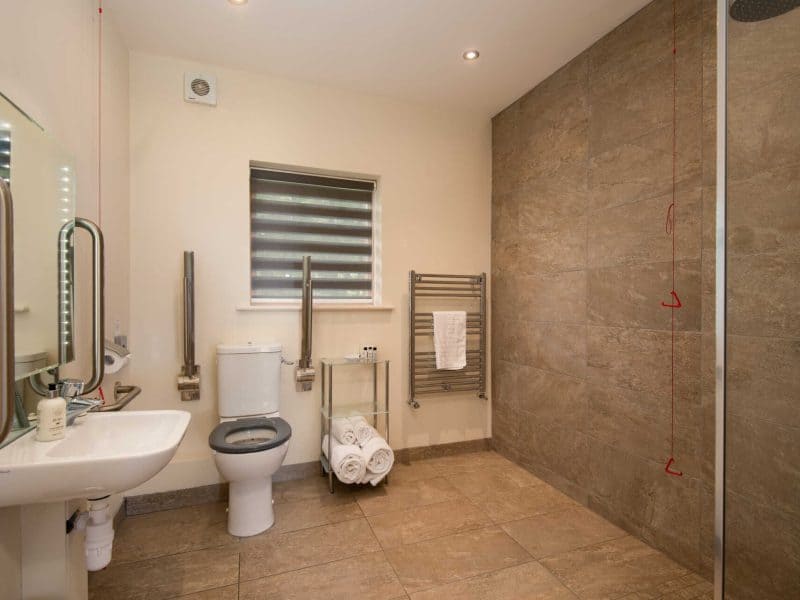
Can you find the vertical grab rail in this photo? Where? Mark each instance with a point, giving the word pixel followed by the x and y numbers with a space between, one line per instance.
pixel 304 373
pixel 98 304
pixel 305 310
pixel 189 379
pixel 188 314
pixel 7 309
pixel 66 294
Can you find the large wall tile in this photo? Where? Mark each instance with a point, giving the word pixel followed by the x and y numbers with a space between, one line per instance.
pixel 561 248
pixel 640 424
pixel 646 36
pixel 558 347
pixel 639 360
pixel 764 128
pixel 547 199
pixel 762 295
pixel 761 463
pixel 641 168
pixel 635 233
pixel 631 295
pixel 762 551
pixel 763 379
pixel 556 297
pixel 759 55
pixel 762 211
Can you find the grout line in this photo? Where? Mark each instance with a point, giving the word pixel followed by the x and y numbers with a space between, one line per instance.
pixel 311 566
pixel 386 558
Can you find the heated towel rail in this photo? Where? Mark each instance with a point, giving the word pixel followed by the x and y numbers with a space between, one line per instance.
pixel 430 291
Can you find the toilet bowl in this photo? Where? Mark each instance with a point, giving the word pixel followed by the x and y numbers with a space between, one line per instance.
pixel 247 453
pixel 251 441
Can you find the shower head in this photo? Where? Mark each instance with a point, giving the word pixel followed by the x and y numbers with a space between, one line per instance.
pixel 760 10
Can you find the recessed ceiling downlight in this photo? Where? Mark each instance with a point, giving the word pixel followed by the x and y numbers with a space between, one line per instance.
pixel 238 2
pixel 471 55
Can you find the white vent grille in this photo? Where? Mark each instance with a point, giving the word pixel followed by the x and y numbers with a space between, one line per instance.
pixel 200 88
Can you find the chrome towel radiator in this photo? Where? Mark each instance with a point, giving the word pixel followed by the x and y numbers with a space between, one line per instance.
pixel 429 291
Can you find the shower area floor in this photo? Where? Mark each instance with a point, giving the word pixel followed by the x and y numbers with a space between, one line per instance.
pixel 469 526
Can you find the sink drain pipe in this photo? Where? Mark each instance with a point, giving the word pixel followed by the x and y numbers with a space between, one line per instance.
pixel 99 527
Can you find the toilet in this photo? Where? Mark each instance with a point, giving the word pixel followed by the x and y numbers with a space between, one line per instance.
pixel 251 440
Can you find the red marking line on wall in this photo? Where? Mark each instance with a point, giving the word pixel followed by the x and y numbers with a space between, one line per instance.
pixel 670 228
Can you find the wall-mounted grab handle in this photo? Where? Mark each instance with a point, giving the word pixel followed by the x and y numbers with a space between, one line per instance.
pixel 98 304
pixel 304 373
pixel 189 379
pixel 6 309
pixel 189 367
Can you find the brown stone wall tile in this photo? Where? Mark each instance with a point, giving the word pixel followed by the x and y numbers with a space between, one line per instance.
pixel 635 233
pixel 762 295
pixel 639 360
pixel 631 295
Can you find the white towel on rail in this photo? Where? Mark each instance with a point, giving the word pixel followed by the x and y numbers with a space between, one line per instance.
pixel 450 339
pixel 343 431
pixel 380 459
pixel 346 460
pixel 364 432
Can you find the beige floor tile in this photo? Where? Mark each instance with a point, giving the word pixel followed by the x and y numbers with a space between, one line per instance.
pixel 311 488
pixel 524 582
pixel 477 483
pixel 561 531
pixel 444 560
pixel 230 592
pixel 386 498
pixel 167 576
pixel 469 462
pixel 512 505
pixel 171 531
pixel 277 553
pixel 366 577
pixel 425 522
pixel 292 516
pixel 414 471
pixel 614 569
pixel 689 587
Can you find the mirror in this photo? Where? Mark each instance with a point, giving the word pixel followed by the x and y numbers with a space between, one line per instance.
pixel 42 181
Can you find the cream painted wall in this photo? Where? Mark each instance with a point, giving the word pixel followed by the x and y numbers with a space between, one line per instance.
pixel 189 191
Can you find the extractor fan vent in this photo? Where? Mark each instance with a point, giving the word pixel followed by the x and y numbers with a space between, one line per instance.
pixel 200 88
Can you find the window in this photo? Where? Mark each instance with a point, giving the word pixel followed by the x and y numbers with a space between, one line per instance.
pixel 329 218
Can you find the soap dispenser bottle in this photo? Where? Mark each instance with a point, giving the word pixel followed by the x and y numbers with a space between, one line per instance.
pixel 51 414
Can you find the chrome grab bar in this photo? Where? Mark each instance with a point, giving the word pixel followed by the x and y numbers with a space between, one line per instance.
pixel 98 304
pixel 305 315
pixel 189 367
pixel 304 373
pixel 7 310
pixel 66 293
pixel 129 392
pixel 189 378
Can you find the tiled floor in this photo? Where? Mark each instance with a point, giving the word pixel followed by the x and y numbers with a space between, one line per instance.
pixel 472 526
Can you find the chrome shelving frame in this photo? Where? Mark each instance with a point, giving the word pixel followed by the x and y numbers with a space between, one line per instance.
pixel 366 408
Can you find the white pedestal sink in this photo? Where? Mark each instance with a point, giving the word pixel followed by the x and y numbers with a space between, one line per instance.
pixel 103 453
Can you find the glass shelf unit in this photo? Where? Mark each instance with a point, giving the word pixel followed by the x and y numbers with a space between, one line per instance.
pixel 362 389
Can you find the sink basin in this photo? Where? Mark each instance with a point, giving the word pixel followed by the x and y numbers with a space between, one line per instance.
pixel 103 453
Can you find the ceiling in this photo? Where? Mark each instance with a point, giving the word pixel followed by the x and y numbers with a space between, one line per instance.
pixel 405 49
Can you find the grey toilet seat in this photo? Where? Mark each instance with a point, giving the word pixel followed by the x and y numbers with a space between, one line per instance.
pixel 218 439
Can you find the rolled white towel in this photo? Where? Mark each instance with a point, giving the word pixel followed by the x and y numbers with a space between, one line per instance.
pixel 363 430
pixel 343 431
pixel 346 460
pixel 380 459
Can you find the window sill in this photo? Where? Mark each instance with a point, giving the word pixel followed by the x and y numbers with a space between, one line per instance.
pixel 322 307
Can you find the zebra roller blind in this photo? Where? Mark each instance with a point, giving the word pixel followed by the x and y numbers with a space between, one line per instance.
pixel 328 218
